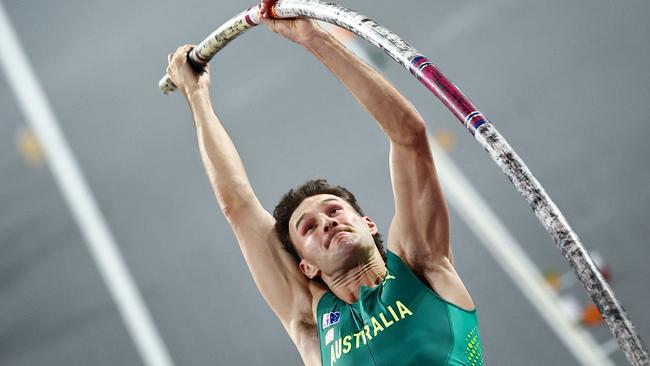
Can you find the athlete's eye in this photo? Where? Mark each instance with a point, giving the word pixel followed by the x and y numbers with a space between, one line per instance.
pixel 334 210
pixel 309 227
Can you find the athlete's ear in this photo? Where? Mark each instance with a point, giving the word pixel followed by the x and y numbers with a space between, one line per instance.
pixel 308 269
pixel 371 225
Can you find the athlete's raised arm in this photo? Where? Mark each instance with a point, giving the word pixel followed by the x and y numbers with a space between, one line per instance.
pixel 419 231
pixel 283 286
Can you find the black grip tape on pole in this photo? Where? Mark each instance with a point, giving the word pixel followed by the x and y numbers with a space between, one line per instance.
pixel 194 64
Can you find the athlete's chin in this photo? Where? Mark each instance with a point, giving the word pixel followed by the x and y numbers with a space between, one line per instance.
pixel 344 242
pixel 349 250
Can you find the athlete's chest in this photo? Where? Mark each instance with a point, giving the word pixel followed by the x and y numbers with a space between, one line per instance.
pixel 387 326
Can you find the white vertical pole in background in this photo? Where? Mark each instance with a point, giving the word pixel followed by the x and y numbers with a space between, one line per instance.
pixel 65 169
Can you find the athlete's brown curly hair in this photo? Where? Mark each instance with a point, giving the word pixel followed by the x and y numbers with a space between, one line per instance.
pixel 292 199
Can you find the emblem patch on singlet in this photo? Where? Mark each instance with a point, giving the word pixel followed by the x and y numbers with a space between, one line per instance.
pixel 329 336
pixel 331 318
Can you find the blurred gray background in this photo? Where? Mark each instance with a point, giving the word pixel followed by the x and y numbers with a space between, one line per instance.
pixel 567 83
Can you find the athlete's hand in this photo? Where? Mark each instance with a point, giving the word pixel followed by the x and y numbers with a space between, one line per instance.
pixel 299 30
pixel 184 77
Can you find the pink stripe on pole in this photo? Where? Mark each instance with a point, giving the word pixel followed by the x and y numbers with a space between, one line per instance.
pixel 447 92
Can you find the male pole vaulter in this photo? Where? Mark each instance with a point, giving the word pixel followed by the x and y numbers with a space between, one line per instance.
pixel 318 260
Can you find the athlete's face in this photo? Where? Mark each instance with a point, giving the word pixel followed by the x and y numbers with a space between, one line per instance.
pixel 330 235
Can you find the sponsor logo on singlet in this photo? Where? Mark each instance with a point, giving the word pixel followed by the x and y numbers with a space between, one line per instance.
pixel 388 277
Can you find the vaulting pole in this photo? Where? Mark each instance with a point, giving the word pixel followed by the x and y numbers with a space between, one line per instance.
pixel 473 120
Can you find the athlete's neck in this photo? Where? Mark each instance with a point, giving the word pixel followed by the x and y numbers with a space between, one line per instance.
pixel 347 285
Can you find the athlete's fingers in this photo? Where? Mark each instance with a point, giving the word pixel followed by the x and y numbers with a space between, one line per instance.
pixel 184 49
pixel 262 9
pixel 180 55
pixel 179 51
pixel 265 9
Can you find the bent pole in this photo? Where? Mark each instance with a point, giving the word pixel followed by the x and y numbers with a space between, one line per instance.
pixel 473 120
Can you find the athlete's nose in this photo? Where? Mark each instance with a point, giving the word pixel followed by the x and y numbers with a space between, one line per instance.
pixel 329 224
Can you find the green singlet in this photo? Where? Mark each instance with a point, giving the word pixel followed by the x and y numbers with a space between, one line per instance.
pixel 399 322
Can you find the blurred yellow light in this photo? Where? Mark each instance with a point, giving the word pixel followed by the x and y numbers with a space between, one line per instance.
pixel 29 148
